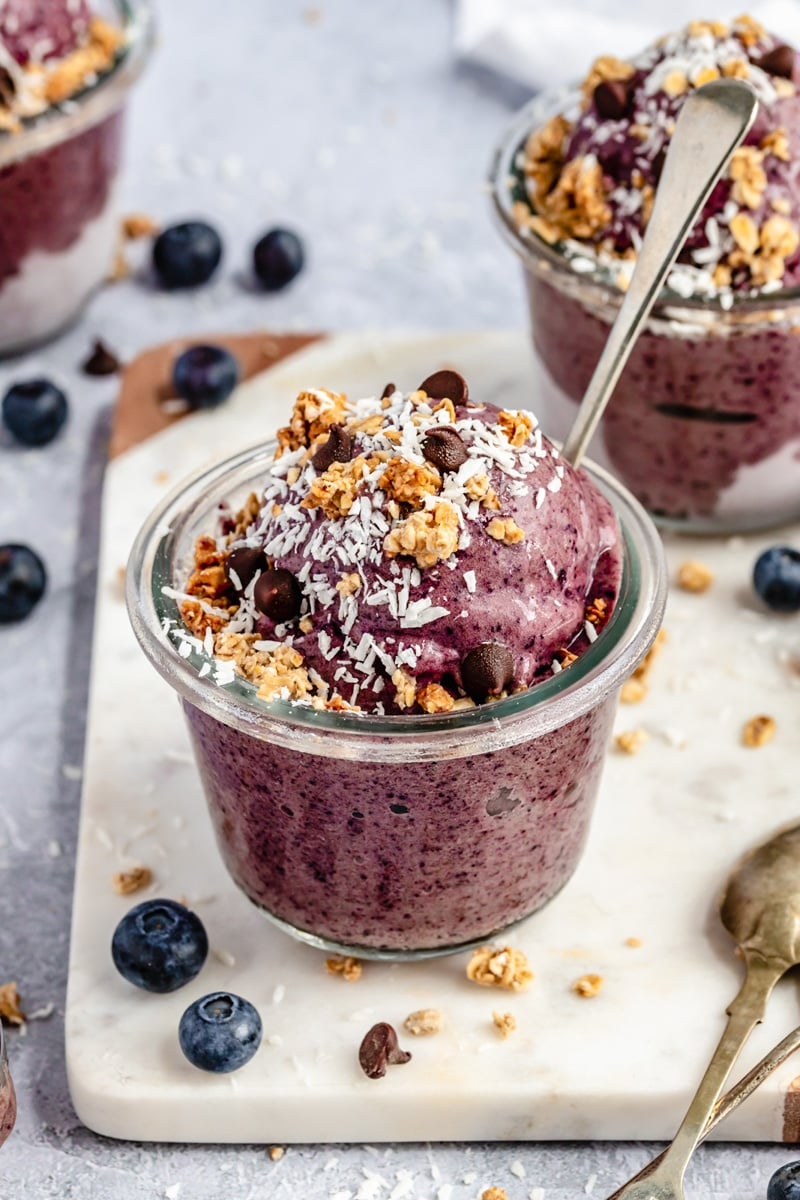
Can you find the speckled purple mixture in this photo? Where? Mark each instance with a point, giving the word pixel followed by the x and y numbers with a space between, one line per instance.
pixel 406 855
pixel 39 30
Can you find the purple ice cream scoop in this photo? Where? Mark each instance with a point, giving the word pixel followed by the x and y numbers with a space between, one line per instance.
pixel 448 555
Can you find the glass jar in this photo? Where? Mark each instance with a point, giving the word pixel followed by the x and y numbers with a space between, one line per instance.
pixel 8 1099
pixel 396 836
pixel 704 424
pixel 58 183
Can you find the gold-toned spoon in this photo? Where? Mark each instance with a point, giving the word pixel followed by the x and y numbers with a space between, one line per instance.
pixel 760 908
pixel 711 124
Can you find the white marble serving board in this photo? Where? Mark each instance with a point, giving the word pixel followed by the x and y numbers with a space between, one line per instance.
pixel 669 823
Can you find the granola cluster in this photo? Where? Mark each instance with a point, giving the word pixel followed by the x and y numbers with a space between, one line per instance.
pixel 588 180
pixel 399 558
pixel 30 88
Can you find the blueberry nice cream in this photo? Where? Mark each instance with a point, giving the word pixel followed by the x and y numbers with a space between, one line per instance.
pixel 408 576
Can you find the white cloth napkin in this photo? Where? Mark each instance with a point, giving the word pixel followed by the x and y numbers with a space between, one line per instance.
pixel 545 43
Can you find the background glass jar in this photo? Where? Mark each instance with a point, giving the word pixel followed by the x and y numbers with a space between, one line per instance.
pixel 396 836
pixel 704 424
pixel 58 175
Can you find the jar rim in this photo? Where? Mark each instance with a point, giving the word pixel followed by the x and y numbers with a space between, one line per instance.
pixel 556 258
pixel 94 102
pixel 547 705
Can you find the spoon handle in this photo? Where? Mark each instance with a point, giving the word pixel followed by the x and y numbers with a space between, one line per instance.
pixel 665 1181
pixel 734 1096
pixel 710 125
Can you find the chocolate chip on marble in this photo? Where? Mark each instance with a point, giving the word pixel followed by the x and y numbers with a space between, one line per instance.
pixel 446 385
pixel 338 448
pixel 444 449
pixel 244 561
pixel 486 670
pixel 778 61
pixel 277 595
pixel 612 99
pixel 389 390
pixel 101 361
pixel 380 1049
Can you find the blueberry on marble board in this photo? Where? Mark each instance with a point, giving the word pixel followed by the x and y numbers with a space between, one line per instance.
pixel 187 254
pixel 22 582
pixel 205 376
pixel 159 945
pixel 776 578
pixel 220 1032
pixel 278 257
pixel 785 1183
pixel 34 411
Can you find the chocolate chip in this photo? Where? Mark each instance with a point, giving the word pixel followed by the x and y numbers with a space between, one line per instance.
pixel 446 385
pixel 277 595
pixel 612 99
pixel 486 671
pixel 380 1049
pixel 444 449
pixel 102 360
pixel 778 61
pixel 338 448
pixel 244 561
pixel 388 390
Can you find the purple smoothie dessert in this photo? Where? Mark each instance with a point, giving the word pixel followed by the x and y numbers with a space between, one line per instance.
pixel 414 604
pixel 64 76
pixel 704 425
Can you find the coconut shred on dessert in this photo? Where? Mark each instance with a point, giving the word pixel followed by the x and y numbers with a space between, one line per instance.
pixel 409 553
pixel 591 182
pixel 57 169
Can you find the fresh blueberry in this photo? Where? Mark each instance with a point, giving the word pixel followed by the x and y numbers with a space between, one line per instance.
pixel 785 1183
pixel 204 376
pixel 187 254
pixel 159 945
pixel 277 258
pixel 220 1032
pixel 22 582
pixel 34 411
pixel 776 578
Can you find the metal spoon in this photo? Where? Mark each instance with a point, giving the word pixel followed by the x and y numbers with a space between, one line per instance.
pixel 760 908
pixel 712 122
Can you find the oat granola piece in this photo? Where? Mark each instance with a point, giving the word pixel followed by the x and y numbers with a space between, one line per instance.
pixel 633 942
pixel 505 529
pixel 544 155
pixel 349 584
pixel 588 986
pixel 314 412
pixel 71 73
pixel 478 488
pixel 597 612
pixel 631 740
pixel 758 731
pixel 516 426
pixel 605 69
pixel 423 1022
pixel 429 535
pixel 433 698
pixel 776 143
pixel 345 965
pixel 335 490
pixel 748 175
pixel 505 1023
pixel 139 225
pixel 633 691
pixel 125 883
pixel 409 483
pixel 694 576
pixel 405 689
pixel 635 688
pixel 276 1153
pixel 493 1193
pixel 504 967
pixel 11 1004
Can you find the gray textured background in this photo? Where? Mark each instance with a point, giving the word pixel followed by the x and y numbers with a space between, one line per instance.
pixel 352 123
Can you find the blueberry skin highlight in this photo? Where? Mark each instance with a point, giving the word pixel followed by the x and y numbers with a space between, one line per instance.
pixel 159 945
pixel 34 411
pixel 278 257
pixel 186 255
pixel 776 578
pixel 785 1183
pixel 205 376
pixel 220 1032
pixel 23 580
